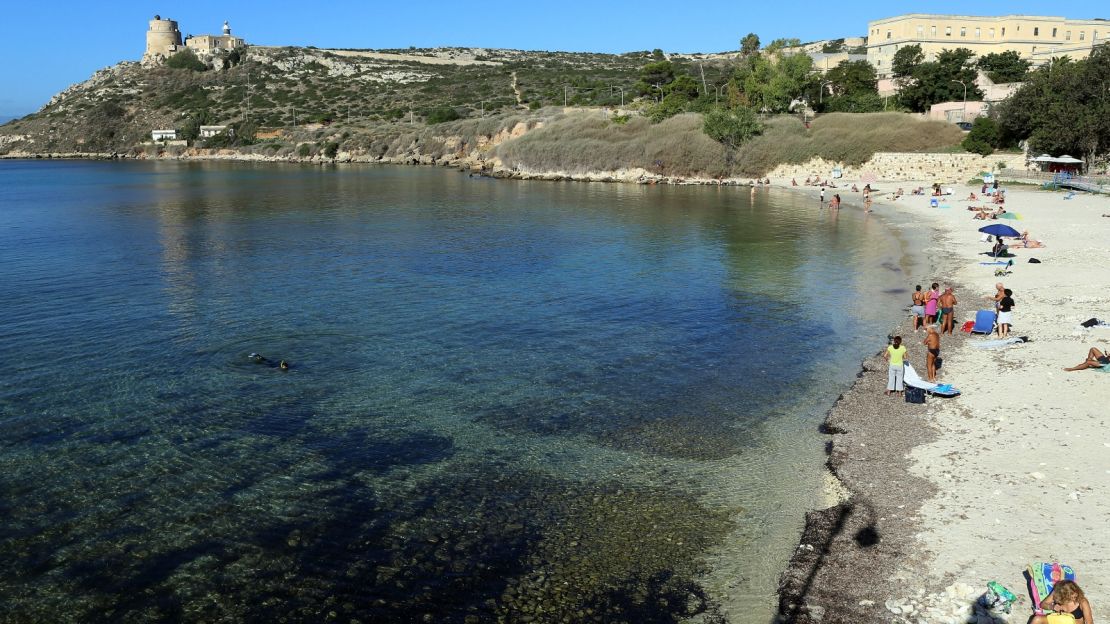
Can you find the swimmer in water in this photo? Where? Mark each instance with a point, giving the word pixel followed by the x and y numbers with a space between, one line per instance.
pixel 283 365
pixel 257 358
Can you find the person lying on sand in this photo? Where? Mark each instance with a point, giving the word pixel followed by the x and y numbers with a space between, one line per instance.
pixel 1028 243
pixel 1095 359
pixel 1067 600
pixel 972 197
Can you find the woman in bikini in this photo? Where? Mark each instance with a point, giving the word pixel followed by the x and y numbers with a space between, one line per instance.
pixel 1066 598
pixel 918 308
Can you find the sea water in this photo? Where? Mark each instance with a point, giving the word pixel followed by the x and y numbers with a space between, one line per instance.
pixel 518 400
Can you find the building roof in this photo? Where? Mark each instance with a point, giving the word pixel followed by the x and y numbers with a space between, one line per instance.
pixel 1054 18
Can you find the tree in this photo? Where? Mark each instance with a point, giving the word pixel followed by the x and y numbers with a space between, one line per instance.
pixel 1004 66
pixel 983 138
pixel 657 55
pixel 782 42
pixel 186 59
pixel 771 84
pixel 683 84
pixel 853 77
pixel 659 73
pixel 1062 108
pixel 833 46
pixel 731 127
pixel 749 44
pixel 940 80
pixel 906 60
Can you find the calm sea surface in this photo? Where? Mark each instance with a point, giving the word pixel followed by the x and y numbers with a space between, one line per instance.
pixel 528 401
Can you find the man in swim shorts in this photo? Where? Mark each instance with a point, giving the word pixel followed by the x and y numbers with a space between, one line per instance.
pixel 947 303
pixel 932 345
pixel 1095 359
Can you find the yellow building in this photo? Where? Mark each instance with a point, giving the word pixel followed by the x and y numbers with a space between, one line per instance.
pixel 1036 38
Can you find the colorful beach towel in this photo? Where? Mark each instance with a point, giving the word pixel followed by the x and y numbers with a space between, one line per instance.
pixel 1044 576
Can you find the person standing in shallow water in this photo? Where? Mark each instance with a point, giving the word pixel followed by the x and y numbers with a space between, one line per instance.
pixel 932 347
pixel 895 355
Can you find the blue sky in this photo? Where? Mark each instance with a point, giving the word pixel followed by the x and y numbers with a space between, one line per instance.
pixel 47 46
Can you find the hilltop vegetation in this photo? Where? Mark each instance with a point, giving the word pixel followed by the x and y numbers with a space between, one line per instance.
pixel 725 115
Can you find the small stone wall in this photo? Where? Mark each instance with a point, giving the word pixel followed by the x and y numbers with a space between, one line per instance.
pixel 907 166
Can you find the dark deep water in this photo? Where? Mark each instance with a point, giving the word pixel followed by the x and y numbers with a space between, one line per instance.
pixel 508 399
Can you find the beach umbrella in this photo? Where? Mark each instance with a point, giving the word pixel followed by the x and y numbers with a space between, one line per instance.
pixel 1009 215
pixel 1000 230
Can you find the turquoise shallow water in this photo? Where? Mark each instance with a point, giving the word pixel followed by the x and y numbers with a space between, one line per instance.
pixel 507 399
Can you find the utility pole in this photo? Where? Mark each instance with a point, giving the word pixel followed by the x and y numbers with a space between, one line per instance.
pixel 705 88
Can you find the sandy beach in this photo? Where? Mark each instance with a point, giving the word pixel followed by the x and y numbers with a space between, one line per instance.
pixel 951 495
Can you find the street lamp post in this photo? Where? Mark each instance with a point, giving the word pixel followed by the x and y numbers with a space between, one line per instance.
pixel 821 96
pixel 963 111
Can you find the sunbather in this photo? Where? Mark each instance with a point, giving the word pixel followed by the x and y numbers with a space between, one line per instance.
pixel 1066 599
pixel 1095 359
pixel 1027 242
pixel 972 197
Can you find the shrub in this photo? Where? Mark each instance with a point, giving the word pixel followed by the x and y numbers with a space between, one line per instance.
pixel 984 136
pixel 731 127
pixel 331 149
pixel 304 150
pixel 976 146
pixel 442 114
pixel 186 59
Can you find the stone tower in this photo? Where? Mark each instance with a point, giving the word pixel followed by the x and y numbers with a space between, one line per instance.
pixel 162 38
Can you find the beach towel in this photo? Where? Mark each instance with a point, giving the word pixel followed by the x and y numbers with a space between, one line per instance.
pixel 1044 576
pixel 998 344
pixel 967 327
pixel 912 379
pixel 984 322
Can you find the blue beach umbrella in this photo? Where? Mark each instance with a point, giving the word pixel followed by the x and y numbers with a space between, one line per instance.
pixel 1000 230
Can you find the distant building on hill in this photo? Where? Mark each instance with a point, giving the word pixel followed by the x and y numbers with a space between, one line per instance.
pixel 1036 38
pixel 163 39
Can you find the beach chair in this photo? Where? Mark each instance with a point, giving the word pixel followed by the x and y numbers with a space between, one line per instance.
pixel 1069 195
pixel 1043 577
pixel 984 322
pixel 912 379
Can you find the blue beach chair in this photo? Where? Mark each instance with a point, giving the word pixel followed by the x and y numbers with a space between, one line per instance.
pixel 984 322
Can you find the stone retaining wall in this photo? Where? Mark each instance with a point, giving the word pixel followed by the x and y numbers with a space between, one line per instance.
pixel 944 168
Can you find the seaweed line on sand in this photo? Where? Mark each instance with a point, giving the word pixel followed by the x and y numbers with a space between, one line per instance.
pixel 845 562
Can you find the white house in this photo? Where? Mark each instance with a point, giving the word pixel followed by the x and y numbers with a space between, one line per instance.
pixel 163 135
pixel 211 131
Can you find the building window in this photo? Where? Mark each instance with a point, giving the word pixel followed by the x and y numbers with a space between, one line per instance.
pixel 947 31
pixel 991 33
pixel 887 34
pixel 1034 49
pixel 963 31
pixel 978 33
pixel 920 32
pixel 879 63
pixel 1082 33
pixel 934 31
pixel 1003 31
pixel 1036 32
pixel 1067 35
pixel 1053 33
